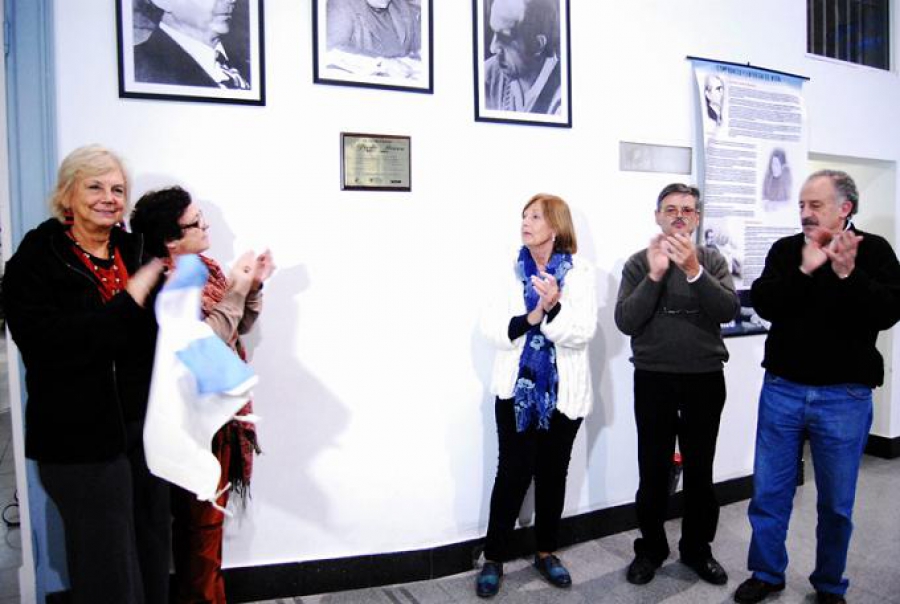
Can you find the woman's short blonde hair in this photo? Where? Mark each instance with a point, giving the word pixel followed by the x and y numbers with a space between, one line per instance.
pixel 556 212
pixel 84 162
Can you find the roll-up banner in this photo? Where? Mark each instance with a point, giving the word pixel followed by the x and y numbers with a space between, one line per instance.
pixel 752 163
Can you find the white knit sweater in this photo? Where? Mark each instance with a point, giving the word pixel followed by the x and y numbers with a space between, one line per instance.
pixel 571 331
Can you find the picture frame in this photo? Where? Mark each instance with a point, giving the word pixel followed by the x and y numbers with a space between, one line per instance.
pixel 376 162
pixel 156 60
pixel 352 46
pixel 543 97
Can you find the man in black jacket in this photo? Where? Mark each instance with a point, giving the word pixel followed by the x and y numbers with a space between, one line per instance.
pixel 828 291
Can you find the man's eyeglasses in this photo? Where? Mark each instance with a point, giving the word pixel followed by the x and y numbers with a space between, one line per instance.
pixel 685 211
pixel 199 223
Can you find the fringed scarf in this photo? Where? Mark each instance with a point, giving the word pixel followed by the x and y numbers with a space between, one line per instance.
pixel 240 435
pixel 538 379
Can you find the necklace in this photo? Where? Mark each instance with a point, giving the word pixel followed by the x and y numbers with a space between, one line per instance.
pixel 110 273
pixel 109 246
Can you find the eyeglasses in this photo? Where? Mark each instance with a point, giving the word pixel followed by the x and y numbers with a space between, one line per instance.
pixel 199 223
pixel 677 311
pixel 685 211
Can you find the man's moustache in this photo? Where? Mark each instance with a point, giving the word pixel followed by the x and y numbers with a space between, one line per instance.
pixel 809 222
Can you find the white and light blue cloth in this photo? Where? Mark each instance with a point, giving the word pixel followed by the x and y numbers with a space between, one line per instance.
pixel 198 385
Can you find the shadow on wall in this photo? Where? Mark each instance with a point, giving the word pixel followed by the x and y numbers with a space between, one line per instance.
pixel 605 346
pixel 483 362
pixel 482 353
pixel 289 400
pixel 602 347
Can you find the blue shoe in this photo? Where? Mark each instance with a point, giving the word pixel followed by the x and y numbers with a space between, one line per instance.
pixel 553 570
pixel 488 582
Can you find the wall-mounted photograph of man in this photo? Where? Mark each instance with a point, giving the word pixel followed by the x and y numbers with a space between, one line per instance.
pixel 373 43
pixel 191 50
pixel 714 101
pixel 522 55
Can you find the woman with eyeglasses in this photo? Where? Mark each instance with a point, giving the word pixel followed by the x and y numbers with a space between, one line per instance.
pixel 77 302
pixel 540 324
pixel 172 225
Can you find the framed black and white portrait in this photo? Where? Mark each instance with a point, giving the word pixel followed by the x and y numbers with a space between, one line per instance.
pixel 522 62
pixel 192 50
pixel 373 43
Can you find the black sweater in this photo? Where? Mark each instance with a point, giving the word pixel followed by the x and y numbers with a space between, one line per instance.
pixel 87 364
pixel 824 328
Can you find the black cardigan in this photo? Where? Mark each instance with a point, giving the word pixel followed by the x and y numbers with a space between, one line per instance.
pixel 88 364
pixel 824 328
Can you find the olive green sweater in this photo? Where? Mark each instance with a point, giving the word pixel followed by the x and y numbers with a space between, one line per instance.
pixel 675 325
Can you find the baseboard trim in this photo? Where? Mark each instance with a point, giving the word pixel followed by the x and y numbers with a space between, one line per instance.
pixel 247 584
pixel 269 582
pixel 883 446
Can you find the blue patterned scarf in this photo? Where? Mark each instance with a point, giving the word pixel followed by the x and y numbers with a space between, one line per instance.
pixel 536 386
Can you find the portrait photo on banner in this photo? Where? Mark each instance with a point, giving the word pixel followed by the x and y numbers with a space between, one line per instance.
pixel 522 62
pixel 374 44
pixel 191 50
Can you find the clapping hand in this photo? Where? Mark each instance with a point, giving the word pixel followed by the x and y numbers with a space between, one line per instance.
pixel 813 251
pixel 241 276
pixel 822 245
pixel 263 268
pixel 681 250
pixel 842 252
pixel 657 259
pixel 548 289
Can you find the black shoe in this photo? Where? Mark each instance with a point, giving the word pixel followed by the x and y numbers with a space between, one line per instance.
pixel 708 569
pixel 754 590
pixel 641 570
pixel 553 570
pixel 488 582
pixel 824 597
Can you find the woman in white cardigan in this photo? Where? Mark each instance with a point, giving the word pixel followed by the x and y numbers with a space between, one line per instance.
pixel 541 326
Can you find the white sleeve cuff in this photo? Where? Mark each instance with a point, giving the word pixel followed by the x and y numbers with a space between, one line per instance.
pixel 697 276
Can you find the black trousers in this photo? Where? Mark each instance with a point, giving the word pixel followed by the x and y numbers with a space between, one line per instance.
pixel 539 454
pixel 117 529
pixel 689 407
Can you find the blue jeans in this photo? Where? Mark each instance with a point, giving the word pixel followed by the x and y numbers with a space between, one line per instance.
pixel 836 419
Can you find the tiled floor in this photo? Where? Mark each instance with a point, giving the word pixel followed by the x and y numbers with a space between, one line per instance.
pixel 598 567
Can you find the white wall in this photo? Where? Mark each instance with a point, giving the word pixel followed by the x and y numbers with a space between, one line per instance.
pixel 373 378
